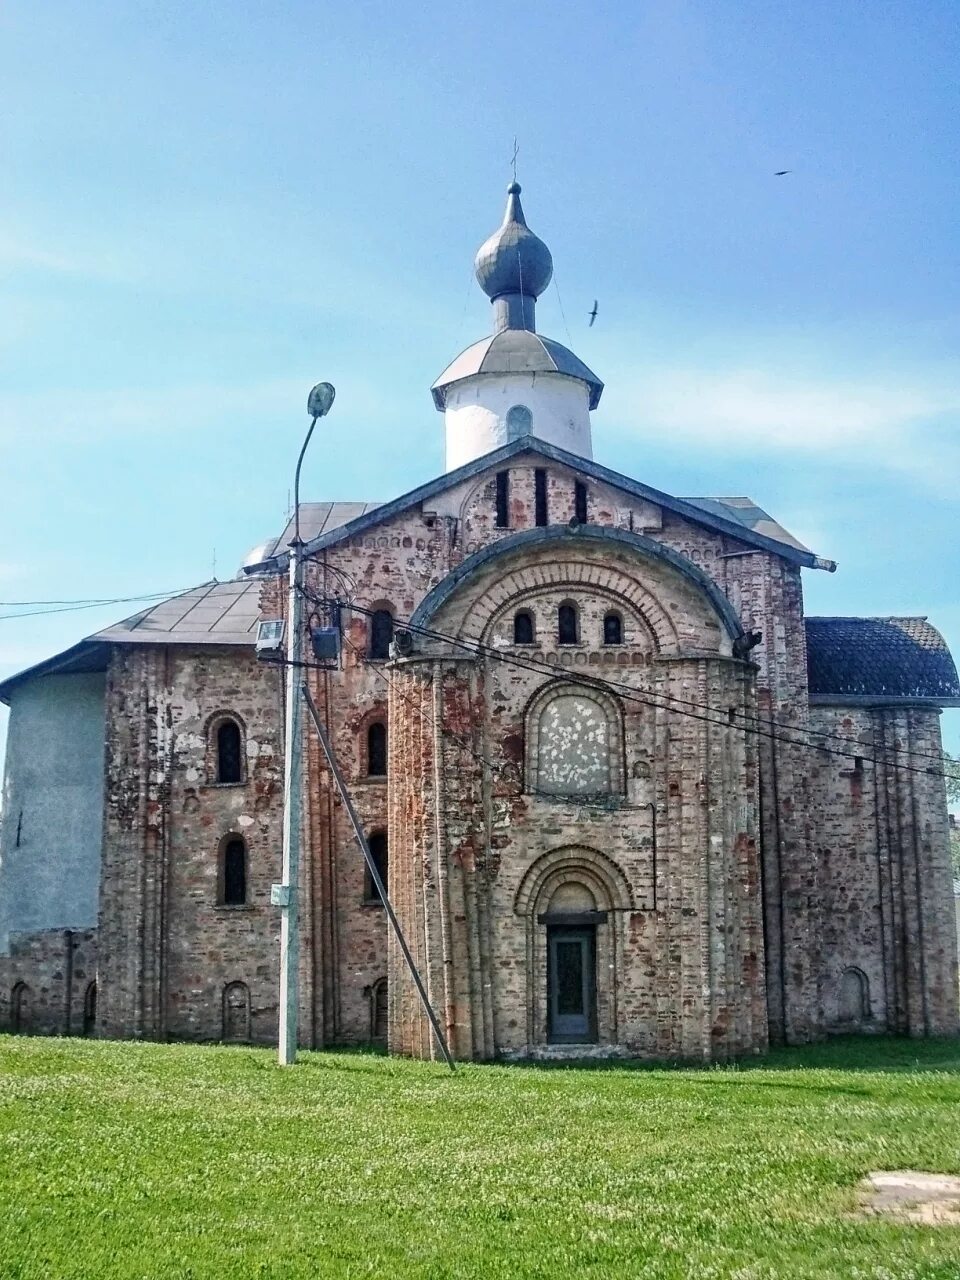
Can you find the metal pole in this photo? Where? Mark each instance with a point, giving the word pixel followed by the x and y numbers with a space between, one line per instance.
pixel 290 876
pixel 375 874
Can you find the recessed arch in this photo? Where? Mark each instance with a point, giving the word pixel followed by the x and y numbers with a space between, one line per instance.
pixel 519 422
pixel 574 741
pixel 564 537
pixel 381 616
pixel 19 1007
pixel 226 748
pixel 853 997
pixel 232 871
pixel 573 863
pixel 236 1013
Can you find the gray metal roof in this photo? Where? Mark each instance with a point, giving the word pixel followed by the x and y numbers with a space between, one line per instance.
pixel 213 613
pixel 515 351
pixel 746 512
pixel 316 518
pixel 879 660
pixel 749 523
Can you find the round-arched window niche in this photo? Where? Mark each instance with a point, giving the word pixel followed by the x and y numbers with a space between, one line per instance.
pixel 519 422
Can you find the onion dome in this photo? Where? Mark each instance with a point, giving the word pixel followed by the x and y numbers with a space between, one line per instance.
pixel 514 265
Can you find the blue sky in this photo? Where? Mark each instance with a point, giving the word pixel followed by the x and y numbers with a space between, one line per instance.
pixel 209 207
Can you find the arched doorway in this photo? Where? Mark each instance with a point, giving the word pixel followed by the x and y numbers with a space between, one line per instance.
pixel 573 900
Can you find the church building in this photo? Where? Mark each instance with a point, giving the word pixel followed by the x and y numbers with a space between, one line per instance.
pixel 626 797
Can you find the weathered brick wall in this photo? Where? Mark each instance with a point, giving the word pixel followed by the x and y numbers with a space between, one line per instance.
pixel 168 948
pixel 688 969
pixel 479 852
pixel 884 870
pixel 767 594
pixel 46 980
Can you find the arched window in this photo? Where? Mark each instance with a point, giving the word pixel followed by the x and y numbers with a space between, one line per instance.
pixel 229 752
pixel 19 1006
pixel 523 627
pixel 90 1010
pixel 377 750
pixel 236 1012
pixel 567 624
pixel 377 841
pixel 519 422
pixel 574 743
pixel 233 874
pixel 381 633
pixel 378 1012
pixel 612 628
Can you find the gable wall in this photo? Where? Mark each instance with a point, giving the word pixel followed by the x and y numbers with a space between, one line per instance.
pixel 397 562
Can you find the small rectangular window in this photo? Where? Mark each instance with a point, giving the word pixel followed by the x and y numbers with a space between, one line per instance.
pixel 503 499
pixel 540 496
pixel 580 502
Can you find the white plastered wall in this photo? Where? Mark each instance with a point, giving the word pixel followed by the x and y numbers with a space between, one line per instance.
pixel 475 419
pixel 52 806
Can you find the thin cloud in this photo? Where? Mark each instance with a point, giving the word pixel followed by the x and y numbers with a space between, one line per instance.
pixel 897 426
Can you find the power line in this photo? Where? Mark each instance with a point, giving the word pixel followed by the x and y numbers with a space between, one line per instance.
pixel 499 769
pixel 715 715
pixel 74 606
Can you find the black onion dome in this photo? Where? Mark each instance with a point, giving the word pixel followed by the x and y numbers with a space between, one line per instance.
pixel 513 260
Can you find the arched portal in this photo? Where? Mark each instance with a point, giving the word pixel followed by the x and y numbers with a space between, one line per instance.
pixel 573 901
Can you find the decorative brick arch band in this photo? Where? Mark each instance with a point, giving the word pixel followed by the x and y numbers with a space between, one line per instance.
pixel 596 870
pixel 607 583
pixel 563 537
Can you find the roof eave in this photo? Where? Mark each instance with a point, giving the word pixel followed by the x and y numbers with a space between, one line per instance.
pixel 931 702
pixel 527 444
pixel 92 652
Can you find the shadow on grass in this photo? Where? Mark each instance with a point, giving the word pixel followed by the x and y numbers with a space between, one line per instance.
pixel 870 1054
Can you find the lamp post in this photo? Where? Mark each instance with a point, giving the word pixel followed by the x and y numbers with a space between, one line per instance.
pixel 318 406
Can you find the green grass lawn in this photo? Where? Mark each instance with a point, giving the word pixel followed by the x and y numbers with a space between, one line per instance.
pixel 159 1160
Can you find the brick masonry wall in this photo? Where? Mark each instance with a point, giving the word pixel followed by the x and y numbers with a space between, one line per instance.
pixel 698 947
pixel 168 948
pixel 479 853
pixel 45 983
pixel 884 870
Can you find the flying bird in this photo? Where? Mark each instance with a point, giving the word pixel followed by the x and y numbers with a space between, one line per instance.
pixel 593 314
pixel 781 173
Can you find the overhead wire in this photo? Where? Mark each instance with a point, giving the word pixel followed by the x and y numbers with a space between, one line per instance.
pixel 500 769
pixel 716 716
pixel 723 712
pixel 73 606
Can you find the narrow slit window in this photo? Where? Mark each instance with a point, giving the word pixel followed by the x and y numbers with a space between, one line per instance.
pixel 580 502
pixel 503 499
pixel 229 754
pixel 378 848
pixel 234 873
pixel 381 633
pixel 567 624
pixel 377 750
pixel 612 628
pixel 523 627
pixel 540 496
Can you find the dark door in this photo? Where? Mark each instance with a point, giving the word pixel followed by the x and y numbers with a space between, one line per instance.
pixel 572 985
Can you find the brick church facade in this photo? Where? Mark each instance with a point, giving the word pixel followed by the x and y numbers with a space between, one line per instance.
pixel 627 798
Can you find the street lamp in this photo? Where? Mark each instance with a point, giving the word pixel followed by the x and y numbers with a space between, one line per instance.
pixel 286 894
